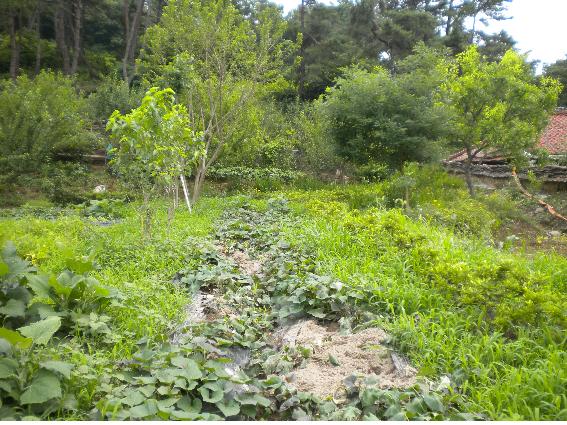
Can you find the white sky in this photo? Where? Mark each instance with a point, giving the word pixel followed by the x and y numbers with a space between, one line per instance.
pixel 538 26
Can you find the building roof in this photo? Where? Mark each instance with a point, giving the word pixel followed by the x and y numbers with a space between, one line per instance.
pixel 554 138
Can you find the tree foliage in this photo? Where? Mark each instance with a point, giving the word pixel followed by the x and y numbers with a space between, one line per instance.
pixel 379 117
pixel 558 70
pixel 496 106
pixel 41 120
pixel 217 61
pixel 156 144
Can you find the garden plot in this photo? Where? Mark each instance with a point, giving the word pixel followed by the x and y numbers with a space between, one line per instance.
pixel 330 358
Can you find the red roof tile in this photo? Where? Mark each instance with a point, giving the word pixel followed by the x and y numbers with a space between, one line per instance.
pixel 554 138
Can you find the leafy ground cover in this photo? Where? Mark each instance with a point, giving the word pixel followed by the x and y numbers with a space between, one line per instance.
pixel 99 323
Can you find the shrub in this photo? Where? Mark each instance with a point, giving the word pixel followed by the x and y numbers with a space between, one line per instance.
pixel 373 172
pixel 374 116
pixel 112 94
pixel 40 120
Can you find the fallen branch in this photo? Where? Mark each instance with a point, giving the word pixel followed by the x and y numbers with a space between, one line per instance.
pixel 544 204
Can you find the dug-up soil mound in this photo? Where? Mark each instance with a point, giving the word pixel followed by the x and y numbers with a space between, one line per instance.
pixel 336 357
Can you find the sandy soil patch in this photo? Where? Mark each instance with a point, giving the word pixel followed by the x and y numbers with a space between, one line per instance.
pixel 336 357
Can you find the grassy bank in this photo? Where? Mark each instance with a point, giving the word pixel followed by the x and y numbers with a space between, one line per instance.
pixel 492 320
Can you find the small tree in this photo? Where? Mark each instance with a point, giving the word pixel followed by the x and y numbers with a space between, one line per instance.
pixel 156 145
pixel 496 106
pixel 218 61
pixel 379 117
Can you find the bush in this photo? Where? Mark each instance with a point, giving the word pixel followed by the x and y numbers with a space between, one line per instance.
pixel 65 183
pixel 373 172
pixel 262 179
pixel 40 120
pixel 374 116
pixel 112 94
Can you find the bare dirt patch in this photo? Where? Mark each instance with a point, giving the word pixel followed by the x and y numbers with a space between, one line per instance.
pixel 336 357
pixel 246 264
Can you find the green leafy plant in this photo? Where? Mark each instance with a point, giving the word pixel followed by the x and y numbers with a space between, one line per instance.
pixel 156 145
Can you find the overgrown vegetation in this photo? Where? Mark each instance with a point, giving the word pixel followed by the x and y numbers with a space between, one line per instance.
pixel 304 148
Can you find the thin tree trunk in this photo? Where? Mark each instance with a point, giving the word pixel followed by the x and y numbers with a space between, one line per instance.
pixel 78 15
pixel 131 35
pixel 185 192
pixel 199 180
pixel 449 25
pixel 159 9
pixel 60 36
pixel 38 46
pixel 301 85
pixel 14 46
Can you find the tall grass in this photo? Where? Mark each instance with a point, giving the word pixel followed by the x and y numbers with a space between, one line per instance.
pixel 494 321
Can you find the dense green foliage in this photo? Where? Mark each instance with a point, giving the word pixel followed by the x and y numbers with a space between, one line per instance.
pixel 103 319
pixel 377 117
pixel 41 120
pixel 426 273
pixel 497 106
pixel 558 70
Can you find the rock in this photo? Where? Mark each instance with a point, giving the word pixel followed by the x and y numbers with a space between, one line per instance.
pixel 484 186
pixel 554 233
pixel 100 189
pixel 539 210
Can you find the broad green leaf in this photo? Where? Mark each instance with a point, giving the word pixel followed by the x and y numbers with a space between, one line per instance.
pixel 211 392
pixel 4 269
pixel 63 368
pixel 147 390
pixel 189 405
pixel 273 382
pixel 317 312
pixel 262 401
pixel 230 408
pixel 39 284
pixel 168 402
pixel 189 416
pixel 14 308
pixel 148 408
pixel 7 367
pixel 370 417
pixel 168 375
pixel 15 338
pixel 392 411
pixel 253 400
pixel 416 406
pixel 70 402
pixel 134 398
pixel 46 310
pixel 433 403
pixel 369 396
pixel 79 266
pixel 400 416
pixel 42 331
pixel 190 367
pixel 6 386
pixel 45 386
pixel 5 346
